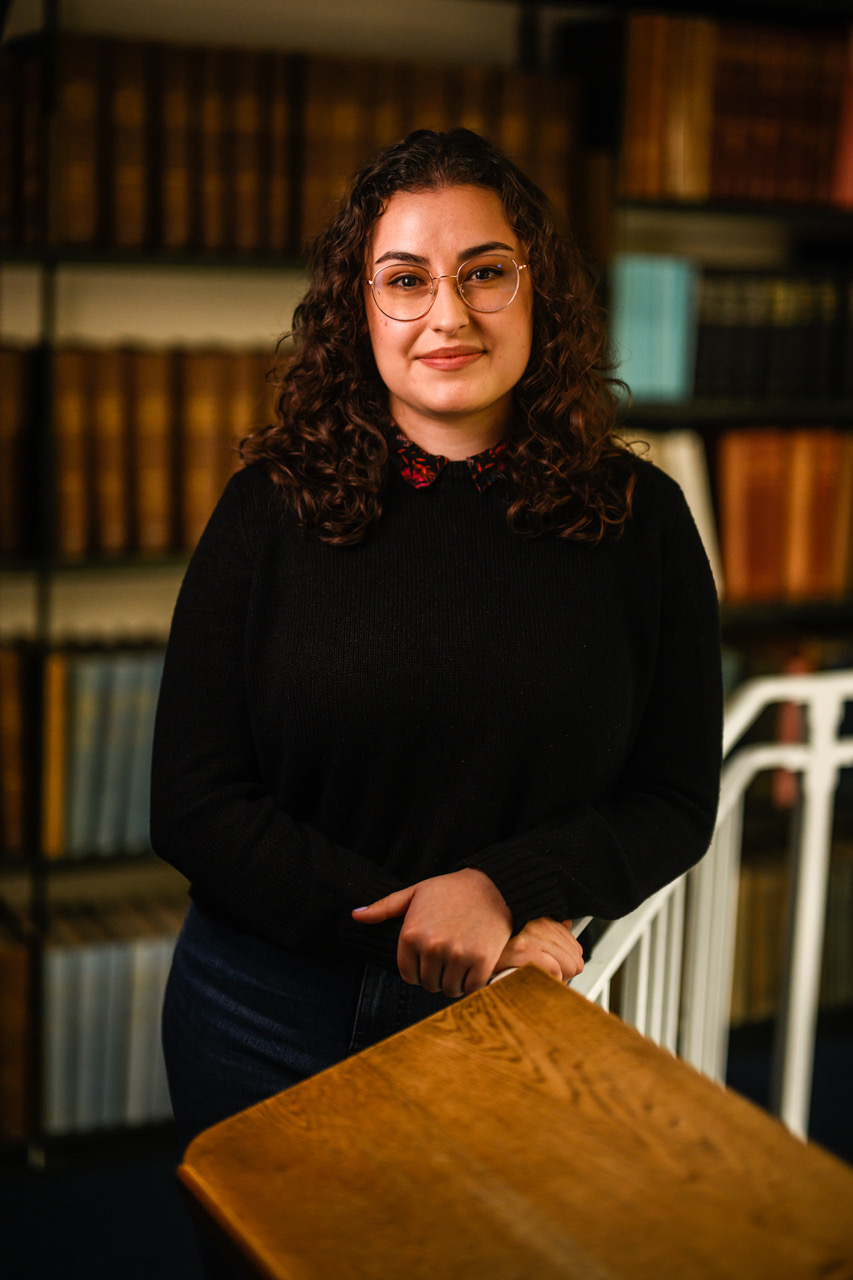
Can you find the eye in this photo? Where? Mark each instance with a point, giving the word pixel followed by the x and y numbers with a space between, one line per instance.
pixel 485 272
pixel 403 281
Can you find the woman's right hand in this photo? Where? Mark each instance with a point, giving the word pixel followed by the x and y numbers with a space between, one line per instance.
pixel 546 943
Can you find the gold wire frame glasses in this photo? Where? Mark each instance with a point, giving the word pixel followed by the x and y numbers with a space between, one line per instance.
pixel 405 291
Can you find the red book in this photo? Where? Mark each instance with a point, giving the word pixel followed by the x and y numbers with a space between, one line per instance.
pixel 753 480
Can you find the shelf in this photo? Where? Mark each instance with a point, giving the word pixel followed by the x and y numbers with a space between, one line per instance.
pixel 817 217
pixel 774 12
pixel 30 565
pixel 819 615
pixel 91 256
pixel 753 412
pixel 66 865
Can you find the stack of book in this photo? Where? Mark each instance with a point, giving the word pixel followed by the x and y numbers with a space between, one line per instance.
pixel 98 728
pixel 145 441
pixel 735 111
pixel 104 975
pixel 216 150
pixel 785 500
pixel 680 334
pixel 772 336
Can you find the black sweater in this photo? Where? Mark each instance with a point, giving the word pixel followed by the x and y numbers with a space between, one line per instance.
pixel 336 723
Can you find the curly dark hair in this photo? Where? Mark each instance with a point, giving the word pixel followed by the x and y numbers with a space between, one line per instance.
pixel 567 472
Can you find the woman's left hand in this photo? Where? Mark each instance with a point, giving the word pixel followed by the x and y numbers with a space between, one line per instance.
pixel 455 929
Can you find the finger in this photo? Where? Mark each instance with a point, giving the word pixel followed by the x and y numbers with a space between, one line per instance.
pixel 395 904
pixel 408 963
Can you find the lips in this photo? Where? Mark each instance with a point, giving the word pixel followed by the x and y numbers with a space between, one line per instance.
pixel 451 357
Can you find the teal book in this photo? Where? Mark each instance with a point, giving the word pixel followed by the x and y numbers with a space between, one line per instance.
pixel 653 324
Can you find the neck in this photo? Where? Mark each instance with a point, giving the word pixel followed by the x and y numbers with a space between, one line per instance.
pixel 453 439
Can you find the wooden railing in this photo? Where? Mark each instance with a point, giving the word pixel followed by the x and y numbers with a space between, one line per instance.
pixel 673 958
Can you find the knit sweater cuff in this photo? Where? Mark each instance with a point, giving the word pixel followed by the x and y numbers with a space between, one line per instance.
pixel 374 942
pixel 528 885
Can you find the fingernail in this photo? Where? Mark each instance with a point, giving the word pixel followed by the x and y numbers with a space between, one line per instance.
pixel 359 909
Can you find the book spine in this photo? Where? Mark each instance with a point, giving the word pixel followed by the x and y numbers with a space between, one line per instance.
pixel 177 109
pixel 130 173
pixel 109 431
pixel 247 136
pixel 55 754
pixel 278 75
pixel 213 177
pixel 13 434
pixel 79 154
pixel 151 416
pixel 201 440
pixel 16 993
pixel 71 422
pixel 13 797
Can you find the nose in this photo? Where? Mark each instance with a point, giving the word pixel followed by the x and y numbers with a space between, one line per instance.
pixel 448 312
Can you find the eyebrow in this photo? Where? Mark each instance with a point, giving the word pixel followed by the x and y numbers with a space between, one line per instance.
pixel 418 260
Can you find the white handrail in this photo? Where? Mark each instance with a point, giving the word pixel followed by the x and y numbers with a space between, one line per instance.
pixel 691 922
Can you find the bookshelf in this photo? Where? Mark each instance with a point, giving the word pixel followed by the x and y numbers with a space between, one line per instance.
pixel 95 297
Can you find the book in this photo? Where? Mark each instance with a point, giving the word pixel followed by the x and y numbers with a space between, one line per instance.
pixel 336 135
pixel 177 107
pixel 54 754
pixel 121 706
pixel 279 205
pixel 135 837
pixel 247 150
pixel 819 504
pixel 16 1073
pixel 681 454
pixel 32 202
pixel 647 60
pixel 88 685
pixel 753 479
pixel 653 325
pixel 214 149
pixel 9 151
pixel 15 411
pixel 113 1066
pixel 72 370
pixel 60 1025
pixel 687 108
pixel 841 191
pixel 151 395
pixel 78 211
pixel 150 956
pixel 109 415
pixel 203 432
pixel 13 754
pixel 128 149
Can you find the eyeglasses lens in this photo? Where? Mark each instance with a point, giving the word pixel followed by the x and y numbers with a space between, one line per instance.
pixel 487 283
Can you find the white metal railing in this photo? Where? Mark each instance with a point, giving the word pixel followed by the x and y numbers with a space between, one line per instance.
pixel 675 954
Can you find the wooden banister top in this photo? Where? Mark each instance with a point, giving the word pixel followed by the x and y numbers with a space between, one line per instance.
pixel 522 1134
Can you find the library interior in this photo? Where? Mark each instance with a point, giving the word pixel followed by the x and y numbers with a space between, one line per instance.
pixel 164 169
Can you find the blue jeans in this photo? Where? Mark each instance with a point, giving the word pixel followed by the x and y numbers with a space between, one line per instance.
pixel 244 1019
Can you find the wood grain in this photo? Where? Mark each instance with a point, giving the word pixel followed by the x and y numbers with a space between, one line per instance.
pixel 521 1133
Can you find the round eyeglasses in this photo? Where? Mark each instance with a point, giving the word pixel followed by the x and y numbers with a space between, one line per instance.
pixel 488 282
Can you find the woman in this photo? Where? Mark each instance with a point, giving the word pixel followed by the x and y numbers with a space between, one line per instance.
pixel 444 670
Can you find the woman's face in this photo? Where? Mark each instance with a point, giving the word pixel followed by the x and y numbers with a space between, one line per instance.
pixel 453 368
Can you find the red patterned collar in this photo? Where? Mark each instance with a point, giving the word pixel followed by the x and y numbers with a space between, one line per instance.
pixel 420 469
